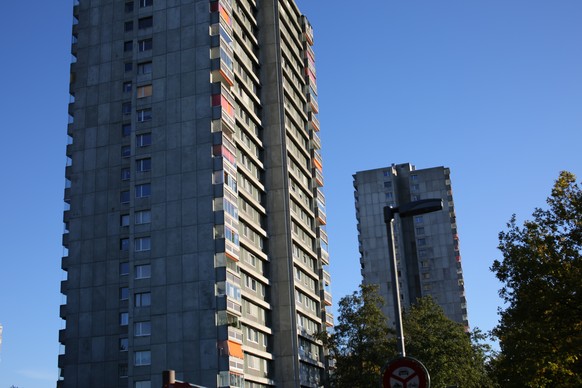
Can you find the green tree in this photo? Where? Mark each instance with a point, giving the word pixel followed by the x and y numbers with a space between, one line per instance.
pixel 540 330
pixel 452 356
pixel 360 341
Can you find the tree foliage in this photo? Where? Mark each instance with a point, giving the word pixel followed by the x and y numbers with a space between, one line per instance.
pixel 452 356
pixel 360 341
pixel 540 330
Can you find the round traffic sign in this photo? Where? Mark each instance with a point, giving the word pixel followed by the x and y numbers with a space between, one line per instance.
pixel 405 372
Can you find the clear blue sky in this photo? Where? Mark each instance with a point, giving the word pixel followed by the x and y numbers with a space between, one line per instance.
pixel 490 88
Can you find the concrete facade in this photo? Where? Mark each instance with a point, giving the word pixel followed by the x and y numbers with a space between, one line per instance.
pixel 195 221
pixel 427 246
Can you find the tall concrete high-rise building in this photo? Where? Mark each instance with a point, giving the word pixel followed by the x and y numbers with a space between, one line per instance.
pixel 194 215
pixel 427 245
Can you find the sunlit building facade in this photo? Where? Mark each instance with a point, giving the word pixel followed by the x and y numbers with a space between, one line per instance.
pixel 194 214
pixel 427 245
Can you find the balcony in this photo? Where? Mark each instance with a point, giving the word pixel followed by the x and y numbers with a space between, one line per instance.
pixel 315 140
pixel 317 160
pixel 313 104
pixel 328 319
pixel 324 256
pixel 63 311
pixel 318 177
pixel 327 298
pixel 313 122
pixel 321 217
pixel 322 235
pixel 326 277
pixel 307 31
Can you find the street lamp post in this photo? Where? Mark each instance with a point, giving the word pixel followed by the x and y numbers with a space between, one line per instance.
pixel 408 209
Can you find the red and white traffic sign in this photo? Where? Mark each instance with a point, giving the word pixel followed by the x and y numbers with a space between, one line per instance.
pixel 405 372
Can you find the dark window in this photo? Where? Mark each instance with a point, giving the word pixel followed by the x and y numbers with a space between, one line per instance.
pixel 128 26
pixel 126 108
pixel 123 344
pixel 123 269
pixel 145 3
pixel 143 165
pixel 143 299
pixel 128 46
pixel 144 140
pixel 144 23
pixel 388 185
pixel 124 197
pixel 144 115
pixel 145 44
pixel 128 66
pixel 125 130
pixel 123 367
pixel 144 68
pixel 141 329
pixel 127 87
pixel 142 191
pixel 124 220
pixel 124 244
pixel 125 174
pixel 129 6
pixel 125 151
pixel 124 293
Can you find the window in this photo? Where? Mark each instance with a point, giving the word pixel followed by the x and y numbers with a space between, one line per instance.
pixel 144 115
pixel 144 23
pixel 123 293
pixel 125 151
pixel 129 6
pixel 126 108
pixel 144 91
pixel 128 26
pixel 142 244
pixel 125 174
pixel 143 165
pixel 124 269
pixel 143 271
pixel 127 87
pixel 415 187
pixel 123 319
pixel 128 46
pixel 123 344
pixel 414 177
pixel 124 197
pixel 142 329
pixel 143 299
pixel 142 358
pixel 124 244
pixel 389 195
pixel 144 68
pixel 144 140
pixel 420 230
pixel 144 45
pixel 124 220
pixel 128 66
pixel 143 217
pixel 143 384
pixel 123 370
pixel 145 3
pixel 142 191
pixel 419 219
pixel 126 130
pixel 421 241
pixel 388 185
